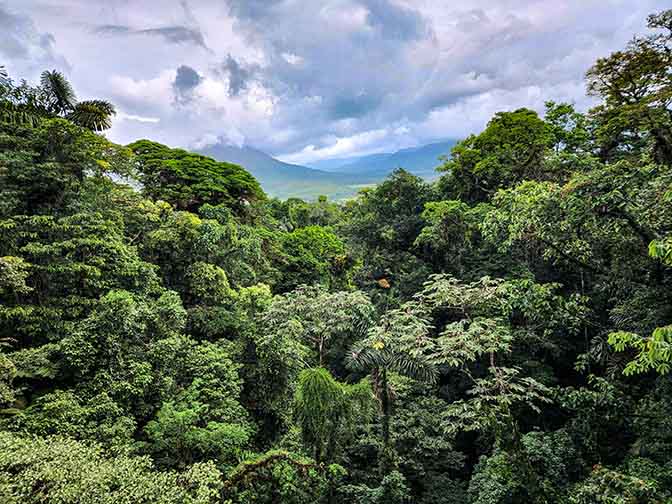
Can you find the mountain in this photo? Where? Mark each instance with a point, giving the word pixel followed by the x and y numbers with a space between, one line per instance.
pixel 336 178
pixel 421 161
pixel 285 180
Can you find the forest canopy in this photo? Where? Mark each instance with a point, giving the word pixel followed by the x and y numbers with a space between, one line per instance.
pixel 501 335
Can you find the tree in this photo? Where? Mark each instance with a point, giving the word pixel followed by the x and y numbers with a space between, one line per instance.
pixel 511 149
pixel 653 352
pixel 324 407
pixel 281 476
pixel 58 469
pixel 54 97
pixel 329 323
pixel 380 228
pixel 187 180
pixel 483 328
pixel 606 485
pixel 636 86
pixel 43 169
pixel 314 254
pixel 399 343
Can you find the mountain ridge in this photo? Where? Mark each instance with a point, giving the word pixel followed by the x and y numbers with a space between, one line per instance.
pixel 420 160
pixel 336 178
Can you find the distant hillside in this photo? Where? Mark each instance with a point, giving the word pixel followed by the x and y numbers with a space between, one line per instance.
pixel 285 180
pixel 421 161
pixel 336 178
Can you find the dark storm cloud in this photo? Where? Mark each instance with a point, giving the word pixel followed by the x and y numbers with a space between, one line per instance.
pixel 177 34
pixel 173 34
pixel 239 75
pixel 400 62
pixel 186 80
pixel 113 30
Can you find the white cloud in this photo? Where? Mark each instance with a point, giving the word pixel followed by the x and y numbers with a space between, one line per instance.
pixel 321 79
pixel 360 144
pixel 292 59
pixel 123 116
pixel 157 91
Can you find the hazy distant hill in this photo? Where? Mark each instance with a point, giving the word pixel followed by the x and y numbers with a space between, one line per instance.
pixel 284 180
pixel 421 161
pixel 336 178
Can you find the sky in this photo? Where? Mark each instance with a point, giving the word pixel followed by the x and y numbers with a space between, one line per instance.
pixel 306 80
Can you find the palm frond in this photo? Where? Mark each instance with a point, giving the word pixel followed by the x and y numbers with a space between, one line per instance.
pixel 95 115
pixel 415 367
pixel 4 76
pixel 61 95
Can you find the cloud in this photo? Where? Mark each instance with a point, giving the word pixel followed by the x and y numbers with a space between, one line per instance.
pixel 307 80
pixel 342 107
pixel 362 143
pixel 132 117
pixel 186 80
pixel 24 48
pixel 173 34
pixel 150 97
pixel 252 9
pixel 177 34
pixel 239 75
pixel 395 21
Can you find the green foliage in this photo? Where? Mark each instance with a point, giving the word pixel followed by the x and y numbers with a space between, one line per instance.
pixel 280 476
pixel 613 487
pixel 653 353
pixel 314 254
pixel 635 87
pixel 493 399
pixel 61 470
pixel 7 375
pixel 295 213
pixel 319 402
pixel 451 237
pixel 399 343
pixel 42 169
pixel 381 227
pixel 54 97
pixel 499 336
pixel 392 489
pixel 325 408
pixel 63 412
pixel 328 323
pixel 179 435
pixel 511 149
pixel 188 181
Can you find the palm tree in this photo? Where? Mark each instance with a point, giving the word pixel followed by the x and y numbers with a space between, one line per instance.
pixel 325 408
pixel 400 343
pixel 59 95
pixel 54 97
pixel 95 115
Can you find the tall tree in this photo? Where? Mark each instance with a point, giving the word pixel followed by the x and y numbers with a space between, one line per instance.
pixel 54 97
pixel 399 343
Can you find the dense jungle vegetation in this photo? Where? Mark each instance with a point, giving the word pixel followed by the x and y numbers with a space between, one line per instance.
pixel 171 335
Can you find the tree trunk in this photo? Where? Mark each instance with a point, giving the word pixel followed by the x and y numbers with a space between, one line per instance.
pixel 385 407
